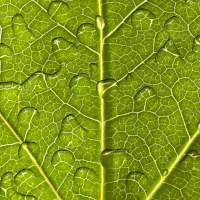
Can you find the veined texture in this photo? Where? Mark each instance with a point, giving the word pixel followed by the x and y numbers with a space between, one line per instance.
pixel 99 99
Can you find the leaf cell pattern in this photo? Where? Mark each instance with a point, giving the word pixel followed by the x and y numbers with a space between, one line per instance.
pixel 99 99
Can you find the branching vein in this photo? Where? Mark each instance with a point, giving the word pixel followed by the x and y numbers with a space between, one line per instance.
pixel 31 156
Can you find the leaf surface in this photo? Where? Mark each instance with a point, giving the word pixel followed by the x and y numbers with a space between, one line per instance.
pixel 99 99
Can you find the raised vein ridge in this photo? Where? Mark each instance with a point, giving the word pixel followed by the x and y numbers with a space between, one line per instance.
pixel 32 157
pixel 178 159
pixel 113 31
pixel 102 101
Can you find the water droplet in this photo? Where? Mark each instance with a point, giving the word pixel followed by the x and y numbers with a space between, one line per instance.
pixel 26 197
pixel 71 128
pixel 193 153
pixel 142 19
pixel 137 184
pixel 85 178
pixel 107 89
pixel 165 172
pixel 145 99
pixel 63 160
pixel 10 192
pixel 173 26
pixel 129 79
pixel 59 11
pixel 26 115
pixel 190 160
pixel 25 180
pixel 5 51
pixel 93 70
pixel 199 126
pixel 87 34
pixel 161 38
pixel 168 55
pixel 171 23
pixel 105 84
pixel 127 86
pixel 80 84
pixel 32 147
pixel 64 50
pixel 21 30
pixel 115 158
pixel 196 45
pixel 6 180
pixel 100 22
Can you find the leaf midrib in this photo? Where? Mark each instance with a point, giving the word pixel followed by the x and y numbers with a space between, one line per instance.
pixel 190 140
pixel 102 101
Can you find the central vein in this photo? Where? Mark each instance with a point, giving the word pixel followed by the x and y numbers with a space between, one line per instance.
pixel 102 100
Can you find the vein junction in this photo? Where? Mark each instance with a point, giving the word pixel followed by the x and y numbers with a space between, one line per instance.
pixel 31 156
pixel 100 24
pixel 178 159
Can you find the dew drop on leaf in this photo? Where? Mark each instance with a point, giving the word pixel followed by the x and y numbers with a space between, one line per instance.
pixel 26 116
pixel 129 78
pixel 64 50
pixel 105 84
pixel 25 180
pixel 32 147
pixel 189 160
pixel 142 19
pixel 165 172
pixel 136 183
pixel 93 70
pixel 80 84
pixel 63 160
pixel 107 89
pixel 10 192
pixel 128 85
pixel 85 178
pixel 168 55
pixel 115 158
pixel 5 51
pixel 171 23
pixel 161 39
pixel 6 180
pixel 100 22
pixel 193 153
pixel 179 32
pixel 87 34
pixel 145 99
pixel 196 45
pixel 59 11
pixel 21 29
pixel 71 128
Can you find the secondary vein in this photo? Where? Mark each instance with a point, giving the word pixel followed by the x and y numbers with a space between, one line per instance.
pixel 31 156
pixel 178 159
pixel 113 31
pixel 58 24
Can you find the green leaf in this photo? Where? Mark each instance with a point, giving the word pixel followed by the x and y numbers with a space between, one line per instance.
pixel 99 99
